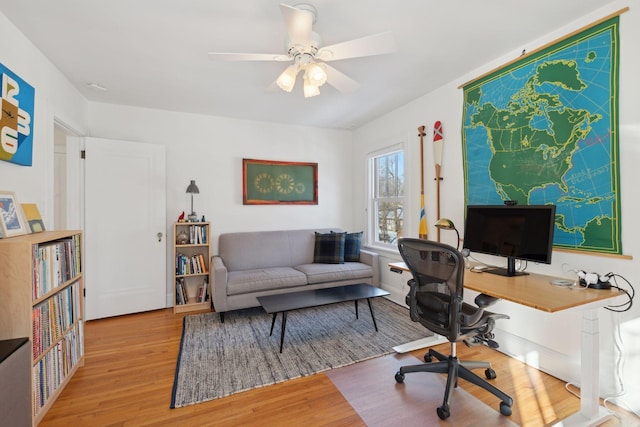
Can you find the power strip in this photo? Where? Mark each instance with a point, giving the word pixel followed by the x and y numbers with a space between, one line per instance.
pixel 594 280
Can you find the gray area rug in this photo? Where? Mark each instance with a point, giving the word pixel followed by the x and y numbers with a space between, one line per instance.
pixel 219 359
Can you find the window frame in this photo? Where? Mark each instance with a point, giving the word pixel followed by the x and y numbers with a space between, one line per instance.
pixel 373 200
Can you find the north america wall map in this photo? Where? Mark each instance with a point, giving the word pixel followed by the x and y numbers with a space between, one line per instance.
pixel 543 130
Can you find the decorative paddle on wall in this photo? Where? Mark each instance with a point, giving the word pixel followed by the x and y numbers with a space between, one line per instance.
pixel 438 140
pixel 422 233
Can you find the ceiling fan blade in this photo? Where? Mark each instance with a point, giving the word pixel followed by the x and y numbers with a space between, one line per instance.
pixel 299 23
pixel 217 56
pixel 339 80
pixel 377 44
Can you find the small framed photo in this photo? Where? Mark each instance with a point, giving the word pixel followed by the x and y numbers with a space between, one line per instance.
pixel 12 221
pixel 32 217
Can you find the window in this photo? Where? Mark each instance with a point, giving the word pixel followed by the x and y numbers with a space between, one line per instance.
pixel 387 197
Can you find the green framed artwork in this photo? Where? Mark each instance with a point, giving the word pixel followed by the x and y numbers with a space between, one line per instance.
pixel 271 182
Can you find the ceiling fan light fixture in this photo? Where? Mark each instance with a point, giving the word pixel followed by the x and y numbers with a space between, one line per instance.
pixel 310 89
pixel 287 79
pixel 316 74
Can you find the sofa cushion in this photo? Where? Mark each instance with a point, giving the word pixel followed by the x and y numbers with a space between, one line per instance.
pixel 265 249
pixel 321 273
pixel 246 281
pixel 329 248
pixel 352 245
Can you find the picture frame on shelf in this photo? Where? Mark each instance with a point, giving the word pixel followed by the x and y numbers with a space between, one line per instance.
pixel 33 218
pixel 272 182
pixel 12 222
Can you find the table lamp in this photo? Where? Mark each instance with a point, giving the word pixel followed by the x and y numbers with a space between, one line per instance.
pixel 193 189
pixel 447 224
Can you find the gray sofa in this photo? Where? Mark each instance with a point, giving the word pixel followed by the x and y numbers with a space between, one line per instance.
pixel 252 264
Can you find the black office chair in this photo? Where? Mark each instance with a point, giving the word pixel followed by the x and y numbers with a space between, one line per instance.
pixel 435 300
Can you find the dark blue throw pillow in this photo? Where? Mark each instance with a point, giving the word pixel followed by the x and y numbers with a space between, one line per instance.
pixel 329 248
pixel 352 245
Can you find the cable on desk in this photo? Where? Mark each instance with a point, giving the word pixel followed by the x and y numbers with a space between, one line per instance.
pixel 627 305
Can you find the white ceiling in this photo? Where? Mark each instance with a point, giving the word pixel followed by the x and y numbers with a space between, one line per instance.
pixel 153 53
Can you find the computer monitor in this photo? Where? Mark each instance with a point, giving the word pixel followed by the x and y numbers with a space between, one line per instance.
pixel 516 232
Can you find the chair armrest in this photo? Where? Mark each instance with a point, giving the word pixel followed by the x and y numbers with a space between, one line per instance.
pixel 484 300
pixel 470 315
pixel 218 281
pixel 372 259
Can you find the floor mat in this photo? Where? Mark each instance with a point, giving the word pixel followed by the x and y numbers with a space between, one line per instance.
pixel 380 401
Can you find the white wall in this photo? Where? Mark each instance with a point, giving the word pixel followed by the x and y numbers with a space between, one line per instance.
pixel 210 151
pixel 551 341
pixel 55 99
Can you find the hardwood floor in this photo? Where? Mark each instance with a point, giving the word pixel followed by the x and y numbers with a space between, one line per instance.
pixel 130 364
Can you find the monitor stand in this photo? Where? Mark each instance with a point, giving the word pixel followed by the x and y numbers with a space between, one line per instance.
pixel 509 271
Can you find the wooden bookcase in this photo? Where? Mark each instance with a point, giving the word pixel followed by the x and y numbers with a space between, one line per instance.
pixel 191 266
pixel 43 298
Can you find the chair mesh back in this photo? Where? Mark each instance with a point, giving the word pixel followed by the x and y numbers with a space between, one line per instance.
pixel 435 297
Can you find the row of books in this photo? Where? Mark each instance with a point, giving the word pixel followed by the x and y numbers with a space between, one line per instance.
pixel 54 367
pixel 53 317
pixel 55 263
pixel 195 264
pixel 182 294
pixel 198 234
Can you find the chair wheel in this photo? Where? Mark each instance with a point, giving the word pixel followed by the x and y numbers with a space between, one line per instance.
pixel 399 377
pixel 490 374
pixel 505 409
pixel 443 412
pixel 428 357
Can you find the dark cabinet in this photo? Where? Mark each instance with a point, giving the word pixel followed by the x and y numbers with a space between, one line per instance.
pixel 15 382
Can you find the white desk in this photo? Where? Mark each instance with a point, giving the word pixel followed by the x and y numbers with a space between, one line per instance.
pixel 536 291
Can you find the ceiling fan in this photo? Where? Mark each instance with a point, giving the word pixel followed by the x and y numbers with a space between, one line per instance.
pixel 304 48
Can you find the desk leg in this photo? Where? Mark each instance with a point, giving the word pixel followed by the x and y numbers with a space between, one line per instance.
pixel 591 413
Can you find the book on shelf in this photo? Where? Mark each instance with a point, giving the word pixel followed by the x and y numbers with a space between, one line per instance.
pixel 195 264
pixel 203 292
pixel 198 234
pixel 53 317
pixel 55 263
pixel 203 264
pixel 200 295
pixel 179 300
pixel 181 292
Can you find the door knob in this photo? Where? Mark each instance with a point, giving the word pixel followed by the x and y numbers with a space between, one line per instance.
pixel 159 236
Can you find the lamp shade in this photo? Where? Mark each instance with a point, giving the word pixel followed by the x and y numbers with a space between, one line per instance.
pixel 310 89
pixel 287 79
pixel 193 188
pixel 316 74
pixel 445 224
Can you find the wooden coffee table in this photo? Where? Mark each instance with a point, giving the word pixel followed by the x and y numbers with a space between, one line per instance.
pixel 283 303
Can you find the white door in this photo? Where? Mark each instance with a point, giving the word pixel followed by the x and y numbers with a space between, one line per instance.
pixel 125 223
